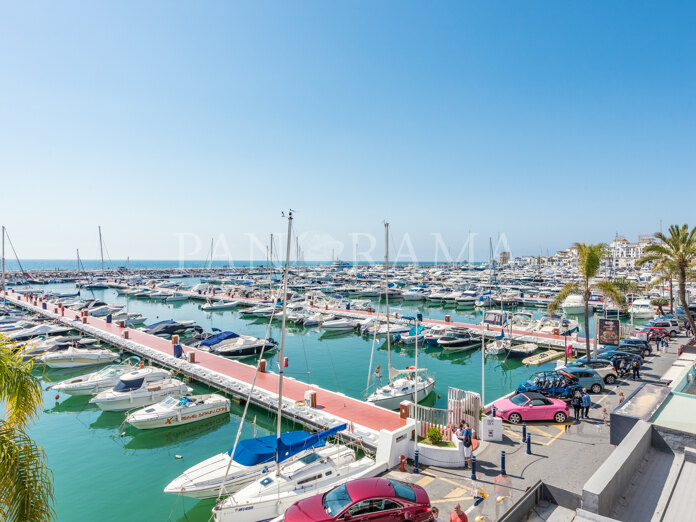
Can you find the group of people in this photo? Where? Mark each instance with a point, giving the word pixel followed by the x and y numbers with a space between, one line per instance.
pixel 581 403
pixel 661 341
pixel 624 367
pixel 457 515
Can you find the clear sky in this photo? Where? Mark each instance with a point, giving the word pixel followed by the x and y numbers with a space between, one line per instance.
pixel 549 122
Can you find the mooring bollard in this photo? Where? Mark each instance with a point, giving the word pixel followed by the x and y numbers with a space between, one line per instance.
pixel 493 411
pixel 415 463
pixel 473 468
pixel 524 432
pixel 502 463
pixel 529 444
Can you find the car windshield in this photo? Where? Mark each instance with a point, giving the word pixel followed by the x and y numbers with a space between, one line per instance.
pixel 403 490
pixel 336 500
pixel 519 400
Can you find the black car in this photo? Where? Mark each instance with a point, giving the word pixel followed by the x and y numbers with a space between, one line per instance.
pixel 628 348
pixel 636 342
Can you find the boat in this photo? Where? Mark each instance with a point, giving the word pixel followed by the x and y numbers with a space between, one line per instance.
pixel 171 327
pixel 38 346
pixel 268 497
pixel 176 411
pixel 415 293
pixel 41 329
pixel 575 305
pixel 72 357
pixel 518 351
pixel 556 325
pixel 252 458
pixel 219 305
pixel 231 344
pixel 176 298
pixel 104 379
pixel 339 325
pixel 641 309
pixel 410 384
pixel 415 334
pixel 435 332
pixel 459 339
pixel 498 346
pixel 133 390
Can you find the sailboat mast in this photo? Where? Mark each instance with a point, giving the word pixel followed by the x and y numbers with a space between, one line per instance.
pixel 4 295
pixel 282 335
pixel 386 297
pixel 101 248
pixel 78 261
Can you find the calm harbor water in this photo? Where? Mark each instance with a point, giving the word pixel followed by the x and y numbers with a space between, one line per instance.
pixel 107 471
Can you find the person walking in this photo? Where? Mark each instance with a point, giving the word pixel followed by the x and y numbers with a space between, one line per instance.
pixel 457 515
pixel 576 402
pixel 586 403
pixel 636 369
pixel 687 329
pixel 464 435
pixel 657 342
pixel 621 398
pixel 665 344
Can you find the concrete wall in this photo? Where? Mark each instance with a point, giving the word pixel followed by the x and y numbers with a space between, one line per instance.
pixel 393 444
pixel 441 457
pixel 665 439
pixel 604 489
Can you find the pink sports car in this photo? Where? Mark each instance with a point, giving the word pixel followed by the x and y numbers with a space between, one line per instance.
pixel 531 406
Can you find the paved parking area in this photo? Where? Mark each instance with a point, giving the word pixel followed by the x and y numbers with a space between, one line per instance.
pixel 563 455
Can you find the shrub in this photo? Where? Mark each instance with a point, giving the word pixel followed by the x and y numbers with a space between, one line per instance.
pixel 434 436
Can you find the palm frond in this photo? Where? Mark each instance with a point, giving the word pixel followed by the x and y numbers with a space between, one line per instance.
pixel 568 289
pixel 609 289
pixel 26 488
pixel 20 391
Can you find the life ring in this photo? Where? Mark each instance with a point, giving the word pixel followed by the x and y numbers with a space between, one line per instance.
pixel 556 331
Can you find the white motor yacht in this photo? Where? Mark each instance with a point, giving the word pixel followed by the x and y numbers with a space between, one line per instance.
pixel 105 379
pixel 403 389
pixel 642 309
pixel 134 391
pixel 175 411
pixel 575 305
pixel 72 357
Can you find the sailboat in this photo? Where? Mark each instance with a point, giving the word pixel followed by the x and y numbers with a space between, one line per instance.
pixel 269 496
pixel 410 384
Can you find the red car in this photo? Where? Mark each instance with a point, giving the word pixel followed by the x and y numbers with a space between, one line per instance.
pixel 529 406
pixel 373 499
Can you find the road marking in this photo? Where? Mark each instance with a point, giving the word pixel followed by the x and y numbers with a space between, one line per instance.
pixel 539 430
pixel 425 481
pixel 455 493
pixel 561 431
pixel 454 483
pixel 512 433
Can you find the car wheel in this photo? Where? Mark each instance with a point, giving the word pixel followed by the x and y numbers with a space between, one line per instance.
pixel 515 418
pixel 560 417
pixel 672 334
pixel 596 388
pixel 610 379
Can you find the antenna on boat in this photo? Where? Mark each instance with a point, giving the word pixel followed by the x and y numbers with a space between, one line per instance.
pixel 386 297
pixel 4 296
pixel 101 248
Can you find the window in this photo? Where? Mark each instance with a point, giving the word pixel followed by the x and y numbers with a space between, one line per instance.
pixel 336 500
pixel 519 400
pixel 537 402
pixel 403 490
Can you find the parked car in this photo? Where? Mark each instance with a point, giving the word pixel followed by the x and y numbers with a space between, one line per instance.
pixel 554 384
pixel 529 406
pixel 638 351
pixel 636 342
pixel 365 499
pixel 668 326
pixel 587 378
pixel 604 367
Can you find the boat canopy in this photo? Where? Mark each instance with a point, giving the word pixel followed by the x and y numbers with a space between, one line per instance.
pixel 263 449
pixel 128 385
pixel 215 339
pixel 161 323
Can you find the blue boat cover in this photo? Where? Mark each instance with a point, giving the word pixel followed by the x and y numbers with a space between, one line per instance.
pixel 215 339
pixel 413 332
pixel 263 449
pixel 501 336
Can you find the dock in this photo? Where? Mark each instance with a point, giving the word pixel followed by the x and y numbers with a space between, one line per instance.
pixel 365 420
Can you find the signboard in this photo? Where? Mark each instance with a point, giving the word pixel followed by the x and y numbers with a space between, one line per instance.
pixel 609 331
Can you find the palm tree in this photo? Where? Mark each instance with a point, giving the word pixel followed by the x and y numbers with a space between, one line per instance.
pixel 676 251
pixel 589 260
pixel 26 483
pixel 660 303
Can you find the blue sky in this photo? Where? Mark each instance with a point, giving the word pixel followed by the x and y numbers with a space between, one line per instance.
pixel 548 122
